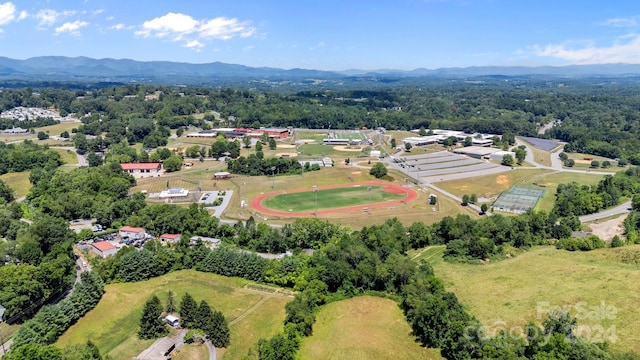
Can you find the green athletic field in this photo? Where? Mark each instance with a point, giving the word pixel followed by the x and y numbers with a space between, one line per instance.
pixel 329 198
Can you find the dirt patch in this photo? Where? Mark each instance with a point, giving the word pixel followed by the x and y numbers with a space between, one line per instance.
pixel 356 172
pixel 283 154
pixel 583 162
pixel 502 180
pixel 606 230
pixel 286 146
pixel 347 148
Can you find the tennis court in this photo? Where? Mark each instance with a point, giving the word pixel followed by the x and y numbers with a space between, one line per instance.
pixel 518 199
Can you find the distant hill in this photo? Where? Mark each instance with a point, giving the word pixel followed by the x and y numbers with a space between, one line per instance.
pixel 78 68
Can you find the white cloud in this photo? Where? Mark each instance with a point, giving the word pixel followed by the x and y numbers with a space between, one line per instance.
pixel 174 24
pixel 98 12
pixel 621 22
pixel 47 17
pixel 193 32
pixel 109 18
pixel 119 26
pixel 23 15
pixel 625 51
pixel 194 44
pixel 247 48
pixel 224 28
pixel 7 13
pixel 71 27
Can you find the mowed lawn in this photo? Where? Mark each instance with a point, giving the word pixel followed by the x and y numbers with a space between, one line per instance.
pixel 329 198
pixel 114 323
pixel 364 327
pixel 508 292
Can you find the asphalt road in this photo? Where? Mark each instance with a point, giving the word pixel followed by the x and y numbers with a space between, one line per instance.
pixel 620 209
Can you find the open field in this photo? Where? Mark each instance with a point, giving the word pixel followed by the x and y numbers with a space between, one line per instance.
pixel 490 186
pixel 68 156
pixel 315 136
pixel 112 326
pixel 330 198
pixel 510 292
pixel 19 182
pixel 57 129
pixel 364 327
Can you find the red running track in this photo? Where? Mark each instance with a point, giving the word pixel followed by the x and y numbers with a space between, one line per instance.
pixel 256 203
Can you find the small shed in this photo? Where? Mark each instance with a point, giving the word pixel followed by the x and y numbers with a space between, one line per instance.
pixel 130 232
pixel 221 175
pixel 173 238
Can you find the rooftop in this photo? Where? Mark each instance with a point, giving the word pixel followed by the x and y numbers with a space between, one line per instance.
pixel 131 229
pixel 139 166
pixel 103 246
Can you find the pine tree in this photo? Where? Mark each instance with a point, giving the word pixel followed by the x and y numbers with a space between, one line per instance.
pixel 217 328
pixel 171 303
pixel 203 315
pixel 188 311
pixel 151 325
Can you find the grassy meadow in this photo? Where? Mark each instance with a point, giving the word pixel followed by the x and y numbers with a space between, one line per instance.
pixel 19 182
pixel 113 324
pixel 364 327
pixel 329 198
pixel 508 292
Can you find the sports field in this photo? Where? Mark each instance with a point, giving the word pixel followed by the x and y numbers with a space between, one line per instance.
pixel 364 327
pixel 337 198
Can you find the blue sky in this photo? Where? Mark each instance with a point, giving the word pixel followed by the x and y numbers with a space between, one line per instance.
pixel 329 34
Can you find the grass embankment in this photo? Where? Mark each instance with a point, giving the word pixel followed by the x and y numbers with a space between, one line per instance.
pixel 114 323
pixel 508 292
pixel 19 182
pixel 329 198
pixel 364 327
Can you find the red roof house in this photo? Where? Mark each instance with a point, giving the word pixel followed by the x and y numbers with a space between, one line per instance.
pixel 142 169
pixel 132 232
pixel 104 248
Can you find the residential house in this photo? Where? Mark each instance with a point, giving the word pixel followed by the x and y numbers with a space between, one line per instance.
pixel 104 248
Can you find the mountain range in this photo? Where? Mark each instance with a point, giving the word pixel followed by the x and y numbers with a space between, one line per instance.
pixel 70 68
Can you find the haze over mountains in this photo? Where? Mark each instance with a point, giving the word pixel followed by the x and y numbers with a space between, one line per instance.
pixel 78 68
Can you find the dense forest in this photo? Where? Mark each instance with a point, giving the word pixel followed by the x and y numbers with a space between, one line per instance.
pixel 595 118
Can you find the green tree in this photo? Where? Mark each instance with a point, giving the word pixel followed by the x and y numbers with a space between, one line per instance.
pixel 606 164
pixel 264 138
pixel 272 144
pixel 393 143
pixel 219 147
pixel 468 141
pixel 521 154
pixel 570 163
pixel 473 198
pixel 408 146
pixel 563 156
pixel 42 135
pixel 246 141
pixel 616 242
pixel 171 302
pixel 507 160
pixel 484 208
pixel 34 352
pixel 595 164
pixel 465 200
pixel 173 163
pixel 258 147
pixel 217 328
pixel 378 170
pixel 203 315
pixel 422 131
pixel 151 324
pixel 188 311
pixel 6 193
pixel 94 159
